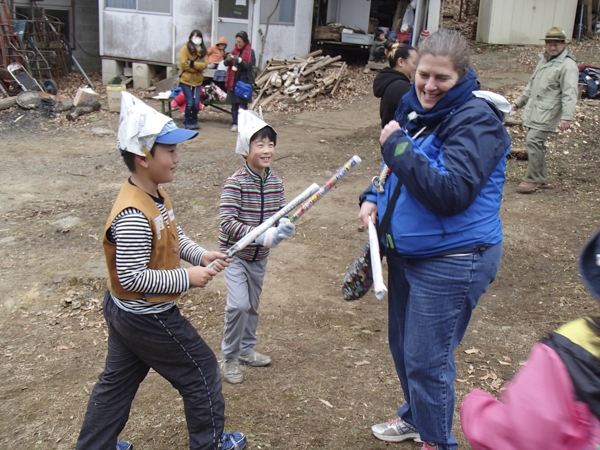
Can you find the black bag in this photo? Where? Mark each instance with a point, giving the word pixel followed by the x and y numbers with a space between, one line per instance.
pixel 359 278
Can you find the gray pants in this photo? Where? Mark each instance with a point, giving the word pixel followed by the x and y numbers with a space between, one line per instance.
pixel 244 284
pixel 536 155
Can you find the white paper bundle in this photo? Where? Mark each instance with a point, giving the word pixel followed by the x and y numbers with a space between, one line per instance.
pixel 378 284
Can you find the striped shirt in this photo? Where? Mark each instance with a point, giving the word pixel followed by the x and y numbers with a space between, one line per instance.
pixel 247 201
pixel 131 233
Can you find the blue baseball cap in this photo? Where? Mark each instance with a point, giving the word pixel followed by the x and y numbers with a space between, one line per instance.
pixel 589 264
pixel 171 134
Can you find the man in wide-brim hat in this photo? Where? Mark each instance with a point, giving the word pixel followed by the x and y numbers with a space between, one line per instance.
pixel 549 101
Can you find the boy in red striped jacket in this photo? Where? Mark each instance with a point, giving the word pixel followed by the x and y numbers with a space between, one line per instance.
pixel 250 196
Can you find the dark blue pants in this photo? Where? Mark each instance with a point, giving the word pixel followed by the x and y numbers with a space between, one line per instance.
pixel 192 103
pixel 430 302
pixel 235 107
pixel 170 345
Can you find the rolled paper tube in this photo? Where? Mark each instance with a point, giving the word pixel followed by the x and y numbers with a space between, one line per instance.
pixel 378 284
pixel 345 170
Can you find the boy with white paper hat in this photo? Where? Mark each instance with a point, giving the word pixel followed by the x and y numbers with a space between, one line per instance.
pixel 143 246
pixel 250 196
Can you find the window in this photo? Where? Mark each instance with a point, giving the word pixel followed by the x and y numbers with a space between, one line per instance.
pixel 156 6
pixel 284 14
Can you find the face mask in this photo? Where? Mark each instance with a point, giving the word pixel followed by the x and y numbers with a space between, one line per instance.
pixel 197 41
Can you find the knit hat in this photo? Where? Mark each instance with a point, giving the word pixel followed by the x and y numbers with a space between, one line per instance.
pixel 589 264
pixel 555 33
pixel 140 126
pixel 249 122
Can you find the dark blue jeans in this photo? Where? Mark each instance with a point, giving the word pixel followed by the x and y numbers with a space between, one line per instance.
pixel 192 103
pixel 235 111
pixel 170 345
pixel 430 302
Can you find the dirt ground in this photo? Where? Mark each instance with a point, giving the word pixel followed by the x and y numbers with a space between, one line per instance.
pixel 332 375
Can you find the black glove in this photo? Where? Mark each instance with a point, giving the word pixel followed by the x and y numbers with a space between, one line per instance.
pixel 191 63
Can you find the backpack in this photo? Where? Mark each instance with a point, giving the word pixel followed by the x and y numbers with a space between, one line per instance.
pixel 591 77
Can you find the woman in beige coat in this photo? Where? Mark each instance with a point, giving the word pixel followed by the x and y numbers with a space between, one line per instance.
pixel 192 60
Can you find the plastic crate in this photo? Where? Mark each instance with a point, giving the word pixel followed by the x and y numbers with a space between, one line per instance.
pixel 356 38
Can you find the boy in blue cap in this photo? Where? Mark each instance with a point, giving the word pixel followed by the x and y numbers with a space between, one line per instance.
pixel 143 246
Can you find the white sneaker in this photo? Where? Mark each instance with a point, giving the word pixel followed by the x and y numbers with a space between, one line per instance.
pixel 255 360
pixel 231 371
pixel 396 430
pixel 234 128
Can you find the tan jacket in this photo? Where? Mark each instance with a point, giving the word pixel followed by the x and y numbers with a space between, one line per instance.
pixel 551 94
pixel 165 242
pixel 189 76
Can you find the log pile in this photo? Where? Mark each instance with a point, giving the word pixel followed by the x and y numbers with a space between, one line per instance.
pixel 299 79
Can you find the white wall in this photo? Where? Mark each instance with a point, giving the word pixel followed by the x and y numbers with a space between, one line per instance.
pixel 153 38
pixel 285 41
pixel 525 22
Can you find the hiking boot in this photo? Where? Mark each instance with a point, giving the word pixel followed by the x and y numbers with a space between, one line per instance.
pixel 231 371
pixel 527 187
pixel 429 446
pixel 255 360
pixel 396 430
pixel 233 441
pixel 234 128
pixel 124 445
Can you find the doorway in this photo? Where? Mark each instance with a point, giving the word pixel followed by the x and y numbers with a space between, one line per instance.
pixel 233 16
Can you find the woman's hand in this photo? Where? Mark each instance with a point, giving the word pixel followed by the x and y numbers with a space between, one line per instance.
pixel 368 211
pixel 221 260
pixel 388 130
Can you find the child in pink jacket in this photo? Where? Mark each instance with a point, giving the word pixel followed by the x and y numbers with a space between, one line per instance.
pixel 553 402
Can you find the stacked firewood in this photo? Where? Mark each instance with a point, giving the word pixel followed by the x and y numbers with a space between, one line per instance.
pixel 299 79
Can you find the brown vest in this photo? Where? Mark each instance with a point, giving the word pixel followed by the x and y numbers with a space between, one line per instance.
pixel 165 241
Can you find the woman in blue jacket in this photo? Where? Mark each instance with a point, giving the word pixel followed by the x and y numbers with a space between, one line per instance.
pixel 446 148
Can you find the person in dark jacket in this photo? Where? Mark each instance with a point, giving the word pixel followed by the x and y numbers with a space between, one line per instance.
pixel 239 68
pixel 392 83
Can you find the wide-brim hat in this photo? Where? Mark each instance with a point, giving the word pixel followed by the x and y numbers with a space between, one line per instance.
pixel 555 33
pixel 589 264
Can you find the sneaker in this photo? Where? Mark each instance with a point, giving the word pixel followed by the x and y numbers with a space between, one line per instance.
pixel 233 441
pixel 396 430
pixel 255 360
pixel 429 446
pixel 231 371
pixel 124 445
pixel 234 128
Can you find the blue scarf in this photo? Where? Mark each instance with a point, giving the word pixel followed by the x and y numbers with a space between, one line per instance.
pixel 459 94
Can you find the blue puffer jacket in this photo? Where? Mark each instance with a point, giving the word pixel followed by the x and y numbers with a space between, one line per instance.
pixel 452 179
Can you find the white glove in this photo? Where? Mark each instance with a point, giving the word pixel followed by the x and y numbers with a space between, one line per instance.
pixel 273 236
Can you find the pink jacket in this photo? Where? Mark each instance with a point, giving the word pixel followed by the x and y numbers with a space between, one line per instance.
pixel 537 411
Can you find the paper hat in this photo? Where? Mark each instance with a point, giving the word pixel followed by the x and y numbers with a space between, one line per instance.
pixel 501 103
pixel 555 33
pixel 589 264
pixel 249 122
pixel 140 126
